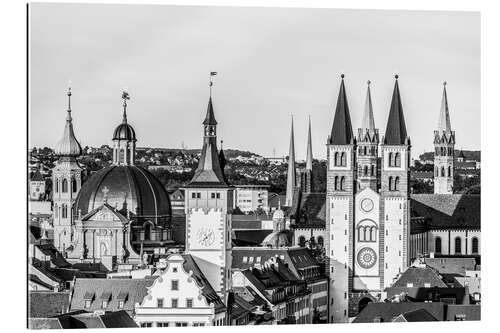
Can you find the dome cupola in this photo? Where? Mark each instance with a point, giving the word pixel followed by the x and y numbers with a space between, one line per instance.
pixel 124 139
pixel 124 131
pixel 68 145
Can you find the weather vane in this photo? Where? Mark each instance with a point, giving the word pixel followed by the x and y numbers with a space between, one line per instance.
pixel 125 97
pixel 211 82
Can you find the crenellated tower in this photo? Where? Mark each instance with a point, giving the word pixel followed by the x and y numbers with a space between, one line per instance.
pixel 395 192
pixel 368 141
pixel 341 188
pixel 66 183
pixel 444 148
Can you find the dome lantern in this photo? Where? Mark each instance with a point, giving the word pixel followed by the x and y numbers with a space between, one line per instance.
pixel 68 145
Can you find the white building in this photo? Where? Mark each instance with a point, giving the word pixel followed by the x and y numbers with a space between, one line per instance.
pixel 252 197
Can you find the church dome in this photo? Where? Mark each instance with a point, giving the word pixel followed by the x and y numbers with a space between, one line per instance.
pixel 130 189
pixel 276 239
pixel 124 132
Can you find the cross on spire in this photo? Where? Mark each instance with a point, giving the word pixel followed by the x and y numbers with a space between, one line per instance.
pixel 105 191
pixel 125 97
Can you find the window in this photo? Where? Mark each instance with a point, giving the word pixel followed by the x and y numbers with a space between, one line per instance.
pixel 175 302
pixel 175 284
pixel 198 324
pixel 104 304
pixel 193 195
pixel 302 241
pixel 396 184
pixel 475 245
pixel 217 195
pixel 372 170
pixel 73 185
pixel 258 259
pixel 342 183
pixel 146 324
pixel 390 159
pixel 442 172
pixel 189 303
pixel 56 210
pixel 449 171
pixel 159 302
pixel 365 171
pixel 64 211
pixel 65 185
pixel 397 160
pixel 160 324
pixel 437 245
pixel 427 285
pixel 343 161
pixel 87 303
pixel 212 195
pixel 336 159
pixel 121 303
pixel 57 185
pixel 336 186
pixel 390 184
pixel 245 259
pixel 198 195
pixel 174 269
pixel 458 245
pixel 250 261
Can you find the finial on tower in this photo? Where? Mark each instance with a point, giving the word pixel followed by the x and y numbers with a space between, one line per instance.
pixel 221 143
pixel 211 83
pixel 396 76
pixel 68 92
pixel 125 97
pixel 444 83
pixel 342 75
pixel 368 82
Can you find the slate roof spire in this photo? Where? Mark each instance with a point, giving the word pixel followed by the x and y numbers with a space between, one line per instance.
pixel 444 124
pixel 342 129
pixel 210 117
pixel 309 154
pixel 290 178
pixel 368 123
pixel 395 133
pixel 68 145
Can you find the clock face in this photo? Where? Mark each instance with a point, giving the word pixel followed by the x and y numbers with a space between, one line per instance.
pixel 367 205
pixel 205 237
pixel 367 257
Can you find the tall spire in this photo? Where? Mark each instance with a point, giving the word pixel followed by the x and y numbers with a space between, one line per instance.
pixel 68 145
pixel 444 124
pixel 342 129
pixel 395 133
pixel 309 154
pixel 290 179
pixel 368 120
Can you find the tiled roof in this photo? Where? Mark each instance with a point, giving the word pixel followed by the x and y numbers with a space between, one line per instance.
pixel 448 210
pixel 416 316
pixel 435 294
pixel 249 295
pixel 388 311
pixel 44 323
pixel 419 277
pixel 35 279
pixel 136 289
pixel 239 306
pixel 467 312
pixel 251 236
pixel 309 210
pixel 451 265
pixel 210 117
pixel 44 304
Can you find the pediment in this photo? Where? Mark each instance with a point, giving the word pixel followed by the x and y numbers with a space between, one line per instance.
pixel 104 213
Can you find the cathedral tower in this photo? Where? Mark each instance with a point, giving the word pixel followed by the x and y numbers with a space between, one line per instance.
pixel 306 183
pixel 290 176
pixel 209 201
pixel 395 192
pixel 124 139
pixel 66 182
pixel 444 148
pixel 368 140
pixel 341 180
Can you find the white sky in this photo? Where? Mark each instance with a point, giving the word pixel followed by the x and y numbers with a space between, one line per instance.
pixel 271 63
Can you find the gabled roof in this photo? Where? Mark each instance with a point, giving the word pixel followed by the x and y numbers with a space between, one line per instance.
pixel 342 129
pixel 395 133
pixel 451 265
pixel 136 290
pixel 386 312
pixel 249 295
pixel 448 210
pixel 415 316
pixel 419 277
pixel 44 304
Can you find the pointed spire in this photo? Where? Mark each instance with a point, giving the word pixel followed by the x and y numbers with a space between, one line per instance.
pixel 368 120
pixel 68 145
pixel 309 154
pixel 395 133
pixel 342 129
pixel 210 117
pixel 222 157
pixel 444 116
pixel 290 180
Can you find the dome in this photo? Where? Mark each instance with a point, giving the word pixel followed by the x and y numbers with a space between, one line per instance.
pixel 276 239
pixel 128 188
pixel 124 132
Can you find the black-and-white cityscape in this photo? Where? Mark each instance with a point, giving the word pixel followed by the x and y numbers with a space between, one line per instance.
pixel 165 221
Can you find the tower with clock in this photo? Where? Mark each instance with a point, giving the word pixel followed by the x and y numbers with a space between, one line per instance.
pixel 208 200
pixel 368 206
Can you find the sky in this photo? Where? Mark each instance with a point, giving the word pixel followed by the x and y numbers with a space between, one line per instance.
pixel 272 63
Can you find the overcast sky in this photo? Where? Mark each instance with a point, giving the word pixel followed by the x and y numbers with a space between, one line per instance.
pixel 271 63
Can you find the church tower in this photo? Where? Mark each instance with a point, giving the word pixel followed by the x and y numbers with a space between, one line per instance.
pixel 340 191
pixel 306 183
pixel 124 139
pixel 66 182
pixel 368 140
pixel 290 176
pixel 208 204
pixel 444 148
pixel 395 192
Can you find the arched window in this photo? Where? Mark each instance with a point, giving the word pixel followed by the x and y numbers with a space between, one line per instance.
pixel 65 185
pixel 364 150
pixel 64 211
pixel 390 159
pixel 396 184
pixel 56 181
pixel 73 185
pixel 372 170
pixel 437 151
pixel 390 184
pixel 321 242
pixel 449 171
pixel 442 172
pixel 475 245
pixel 147 231
pixel 458 245
pixel 343 161
pixel 336 158
pixel 336 186
pixel 397 160
pixel 437 245
pixel 373 234
pixel 342 183
pixel 365 172
pixel 302 241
